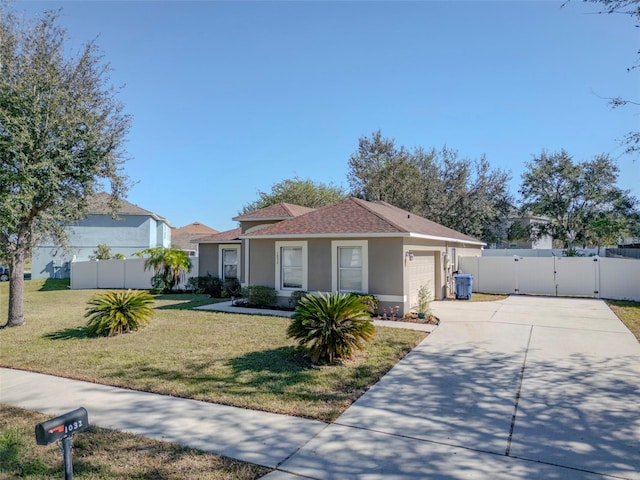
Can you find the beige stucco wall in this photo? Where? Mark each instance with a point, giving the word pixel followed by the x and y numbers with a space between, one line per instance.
pixel 208 259
pixel 386 267
pixel 319 257
pixel 261 262
pixel 392 276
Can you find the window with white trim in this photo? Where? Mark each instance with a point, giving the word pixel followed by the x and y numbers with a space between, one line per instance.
pixel 350 265
pixel 350 269
pixel 291 266
pixel 228 265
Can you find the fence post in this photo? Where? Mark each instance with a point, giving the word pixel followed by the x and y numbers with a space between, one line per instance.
pixel 596 274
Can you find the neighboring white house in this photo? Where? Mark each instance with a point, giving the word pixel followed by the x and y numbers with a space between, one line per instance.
pixel 543 241
pixel 134 230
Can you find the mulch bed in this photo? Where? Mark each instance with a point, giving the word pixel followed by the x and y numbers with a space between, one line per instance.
pixel 428 320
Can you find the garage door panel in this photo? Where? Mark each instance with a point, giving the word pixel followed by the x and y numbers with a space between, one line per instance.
pixel 422 272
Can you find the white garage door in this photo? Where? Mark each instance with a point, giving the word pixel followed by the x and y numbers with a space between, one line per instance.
pixel 422 272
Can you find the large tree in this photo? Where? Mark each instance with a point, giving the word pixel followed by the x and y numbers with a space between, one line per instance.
pixel 463 194
pixel 61 138
pixel 303 192
pixel 631 8
pixel 379 170
pixel 581 199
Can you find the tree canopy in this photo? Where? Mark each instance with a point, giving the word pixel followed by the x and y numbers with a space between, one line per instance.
pixel 303 192
pixel 631 8
pixel 61 138
pixel 581 199
pixel 465 195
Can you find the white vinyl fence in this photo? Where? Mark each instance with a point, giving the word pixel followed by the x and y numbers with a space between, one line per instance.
pixel 116 274
pixel 597 277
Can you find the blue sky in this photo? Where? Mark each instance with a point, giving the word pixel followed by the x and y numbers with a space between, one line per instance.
pixel 228 98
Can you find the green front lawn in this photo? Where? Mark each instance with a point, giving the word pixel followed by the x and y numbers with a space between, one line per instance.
pixel 629 313
pixel 487 297
pixel 241 360
pixel 100 454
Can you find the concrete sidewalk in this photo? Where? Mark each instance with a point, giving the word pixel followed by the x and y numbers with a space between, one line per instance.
pixel 257 437
pixel 525 388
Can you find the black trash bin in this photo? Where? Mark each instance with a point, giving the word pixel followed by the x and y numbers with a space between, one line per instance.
pixel 464 283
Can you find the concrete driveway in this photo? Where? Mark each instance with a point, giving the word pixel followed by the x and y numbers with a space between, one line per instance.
pixel 525 388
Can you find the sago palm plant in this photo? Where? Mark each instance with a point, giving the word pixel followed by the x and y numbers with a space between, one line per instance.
pixel 117 312
pixel 331 327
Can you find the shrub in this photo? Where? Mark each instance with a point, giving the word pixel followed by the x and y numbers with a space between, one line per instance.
pixel 193 285
pixel 207 284
pixel 424 297
pixel 297 296
pixel 370 302
pixel 103 252
pixel 112 313
pixel 331 327
pixel 232 287
pixel 259 296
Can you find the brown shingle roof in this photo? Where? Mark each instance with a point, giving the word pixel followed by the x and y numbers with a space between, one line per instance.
pixel 355 216
pixel 195 228
pixel 98 204
pixel 185 237
pixel 279 211
pixel 226 236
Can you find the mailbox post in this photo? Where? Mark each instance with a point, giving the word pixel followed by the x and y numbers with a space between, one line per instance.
pixel 61 429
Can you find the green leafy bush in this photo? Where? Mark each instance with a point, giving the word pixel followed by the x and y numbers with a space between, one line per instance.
pixel 297 296
pixel 103 252
pixel 259 296
pixel 207 284
pixel 232 287
pixel 117 312
pixel 370 302
pixel 331 327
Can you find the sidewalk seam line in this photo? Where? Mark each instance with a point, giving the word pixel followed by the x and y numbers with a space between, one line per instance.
pixel 472 449
pixel 518 392
pixel 300 447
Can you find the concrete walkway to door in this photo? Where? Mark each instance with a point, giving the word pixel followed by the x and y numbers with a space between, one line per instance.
pixel 528 387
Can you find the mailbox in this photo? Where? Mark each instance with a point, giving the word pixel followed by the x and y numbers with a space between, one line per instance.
pixel 63 426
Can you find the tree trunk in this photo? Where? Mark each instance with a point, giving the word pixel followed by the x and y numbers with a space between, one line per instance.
pixel 16 290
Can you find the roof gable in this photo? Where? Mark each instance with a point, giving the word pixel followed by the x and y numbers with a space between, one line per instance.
pixel 278 211
pixel 356 216
pixel 410 222
pixel 195 228
pixel 98 204
pixel 222 237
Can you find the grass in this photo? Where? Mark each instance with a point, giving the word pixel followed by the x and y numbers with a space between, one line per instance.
pixel 487 297
pixel 100 454
pixel 233 359
pixel 629 313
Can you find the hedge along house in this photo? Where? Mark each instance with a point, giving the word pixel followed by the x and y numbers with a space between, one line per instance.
pixel 351 246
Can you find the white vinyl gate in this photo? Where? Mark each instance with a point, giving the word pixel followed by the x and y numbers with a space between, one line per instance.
pixel 597 277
